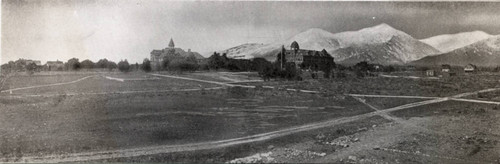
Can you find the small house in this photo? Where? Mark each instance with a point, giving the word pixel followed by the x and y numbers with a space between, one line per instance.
pixel 54 65
pixel 430 72
pixel 445 68
pixel 470 68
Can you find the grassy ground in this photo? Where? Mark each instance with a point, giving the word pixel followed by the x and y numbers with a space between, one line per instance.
pixel 446 132
pixel 395 86
pixel 26 81
pixel 66 124
pixel 312 138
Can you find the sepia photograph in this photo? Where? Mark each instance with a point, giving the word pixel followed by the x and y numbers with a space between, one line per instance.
pixel 160 81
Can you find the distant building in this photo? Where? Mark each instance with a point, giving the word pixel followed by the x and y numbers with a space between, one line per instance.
pixel 38 63
pixel 446 71
pixel 445 68
pixel 54 65
pixel 305 59
pixel 430 72
pixel 470 68
pixel 157 56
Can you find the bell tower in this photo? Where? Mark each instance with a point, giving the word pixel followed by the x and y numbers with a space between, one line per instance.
pixel 171 44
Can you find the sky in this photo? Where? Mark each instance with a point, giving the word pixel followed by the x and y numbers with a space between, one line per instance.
pixel 130 29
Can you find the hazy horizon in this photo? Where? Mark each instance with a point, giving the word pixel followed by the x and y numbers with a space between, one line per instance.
pixel 60 30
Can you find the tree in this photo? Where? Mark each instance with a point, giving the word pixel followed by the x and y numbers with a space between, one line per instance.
pixel 165 62
pixel 30 68
pixel 103 63
pixel 362 68
pixel 111 65
pixel 124 66
pixel 87 64
pixel 215 61
pixel 182 64
pixel 73 64
pixel 146 65
pixel 136 66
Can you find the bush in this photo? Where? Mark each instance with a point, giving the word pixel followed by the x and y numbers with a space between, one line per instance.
pixel 124 66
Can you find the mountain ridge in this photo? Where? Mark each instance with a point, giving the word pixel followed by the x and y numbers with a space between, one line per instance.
pixel 482 53
pixel 351 44
pixel 448 42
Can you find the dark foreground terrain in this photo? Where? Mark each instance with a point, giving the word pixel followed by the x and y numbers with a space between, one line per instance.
pixel 117 117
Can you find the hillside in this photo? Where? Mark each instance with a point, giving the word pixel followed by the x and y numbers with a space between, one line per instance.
pixel 448 42
pixel 482 53
pixel 380 44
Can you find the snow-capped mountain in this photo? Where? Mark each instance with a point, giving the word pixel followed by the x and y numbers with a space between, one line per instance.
pixel 448 42
pixel 398 50
pixel 380 44
pixel 374 44
pixel 243 51
pixel 312 39
pixel 482 53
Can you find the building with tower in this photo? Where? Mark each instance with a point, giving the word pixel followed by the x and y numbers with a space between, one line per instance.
pixel 157 56
pixel 305 59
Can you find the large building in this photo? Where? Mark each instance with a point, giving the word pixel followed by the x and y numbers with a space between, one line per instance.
pixel 305 59
pixel 157 56
pixel 54 65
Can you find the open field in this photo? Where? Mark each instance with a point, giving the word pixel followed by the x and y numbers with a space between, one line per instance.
pixel 396 86
pixel 78 123
pixel 135 117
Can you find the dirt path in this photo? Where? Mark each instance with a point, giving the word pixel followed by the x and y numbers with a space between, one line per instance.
pixel 130 79
pixel 476 101
pixel 396 119
pixel 229 84
pixel 392 96
pixel 204 81
pixel 48 85
pixel 116 92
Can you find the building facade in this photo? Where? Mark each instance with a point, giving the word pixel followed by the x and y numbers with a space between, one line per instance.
pixel 470 68
pixel 157 56
pixel 305 59
pixel 54 65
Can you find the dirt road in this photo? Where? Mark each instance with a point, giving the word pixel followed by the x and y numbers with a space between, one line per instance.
pixel 48 85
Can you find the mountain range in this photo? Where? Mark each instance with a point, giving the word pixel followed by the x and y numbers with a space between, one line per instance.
pixel 380 44
pixel 448 42
pixel 482 53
